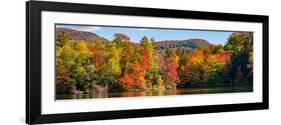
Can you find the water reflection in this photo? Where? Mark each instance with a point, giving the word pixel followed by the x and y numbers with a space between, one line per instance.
pixel 157 92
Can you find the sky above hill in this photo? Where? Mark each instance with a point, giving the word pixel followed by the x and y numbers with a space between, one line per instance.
pixel 214 37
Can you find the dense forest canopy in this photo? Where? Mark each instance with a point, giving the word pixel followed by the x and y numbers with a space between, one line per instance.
pixel 88 63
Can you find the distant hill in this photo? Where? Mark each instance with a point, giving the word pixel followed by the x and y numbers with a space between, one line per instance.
pixel 80 35
pixel 189 44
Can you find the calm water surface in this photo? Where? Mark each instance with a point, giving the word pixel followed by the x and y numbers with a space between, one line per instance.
pixel 158 92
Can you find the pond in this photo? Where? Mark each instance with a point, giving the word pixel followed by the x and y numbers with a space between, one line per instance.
pixel 179 91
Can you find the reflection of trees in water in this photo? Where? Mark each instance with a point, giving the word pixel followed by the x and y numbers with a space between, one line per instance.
pixel 158 92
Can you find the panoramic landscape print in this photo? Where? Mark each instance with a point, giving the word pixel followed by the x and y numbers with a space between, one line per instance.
pixel 110 61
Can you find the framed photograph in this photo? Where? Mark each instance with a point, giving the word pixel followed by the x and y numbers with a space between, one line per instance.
pixel 95 62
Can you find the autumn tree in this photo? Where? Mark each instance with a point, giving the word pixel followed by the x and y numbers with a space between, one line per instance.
pixel 128 57
pixel 216 69
pixel 195 67
pixel 127 50
pixel 72 61
pixel 240 45
pixel 149 63
pixel 121 37
pixel 182 68
pixel 62 39
pixel 170 73
pixel 112 66
pixel 134 78
pixel 204 66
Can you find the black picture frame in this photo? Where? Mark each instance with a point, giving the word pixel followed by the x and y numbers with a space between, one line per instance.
pixel 33 61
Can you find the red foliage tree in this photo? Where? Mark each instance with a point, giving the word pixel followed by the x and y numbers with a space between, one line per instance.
pixel 122 37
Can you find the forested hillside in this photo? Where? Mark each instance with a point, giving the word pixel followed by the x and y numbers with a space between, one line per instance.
pixel 86 61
